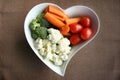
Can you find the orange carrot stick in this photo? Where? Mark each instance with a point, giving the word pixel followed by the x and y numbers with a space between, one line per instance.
pixel 58 17
pixel 72 20
pixel 53 20
pixel 56 11
pixel 65 34
pixel 65 30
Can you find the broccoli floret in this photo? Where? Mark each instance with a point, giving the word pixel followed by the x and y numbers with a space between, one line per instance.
pixel 39 27
pixel 39 17
pixel 34 24
pixel 34 36
pixel 41 32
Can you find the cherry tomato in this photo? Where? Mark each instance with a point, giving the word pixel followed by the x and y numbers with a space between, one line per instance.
pixel 85 21
pixel 86 33
pixel 75 28
pixel 75 39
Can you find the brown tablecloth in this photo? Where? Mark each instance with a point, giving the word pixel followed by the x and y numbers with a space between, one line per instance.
pixel 99 60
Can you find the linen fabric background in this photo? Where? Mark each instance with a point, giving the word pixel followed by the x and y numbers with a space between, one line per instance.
pixel 99 60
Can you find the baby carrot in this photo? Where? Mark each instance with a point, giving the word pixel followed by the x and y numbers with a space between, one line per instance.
pixel 65 30
pixel 58 17
pixel 72 20
pixel 56 11
pixel 53 20
pixel 65 34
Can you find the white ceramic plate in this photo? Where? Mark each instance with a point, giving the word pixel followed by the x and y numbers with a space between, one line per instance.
pixel 77 10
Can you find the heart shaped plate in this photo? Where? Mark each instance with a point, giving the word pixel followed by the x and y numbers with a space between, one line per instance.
pixel 77 10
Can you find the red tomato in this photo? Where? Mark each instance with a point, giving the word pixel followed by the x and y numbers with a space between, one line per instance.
pixel 85 21
pixel 75 28
pixel 86 33
pixel 75 39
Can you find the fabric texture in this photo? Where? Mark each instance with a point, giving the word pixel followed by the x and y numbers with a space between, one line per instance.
pixel 99 60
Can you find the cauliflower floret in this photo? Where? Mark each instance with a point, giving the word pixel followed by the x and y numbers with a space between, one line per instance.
pixel 45 42
pixel 57 61
pixel 54 35
pixel 38 43
pixel 42 51
pixel 68 49
pixel 53 48
pixel 48 47
pixel 49 50
pixel 64 57
pixel 63 50
pixel 63 46
pixel 64 42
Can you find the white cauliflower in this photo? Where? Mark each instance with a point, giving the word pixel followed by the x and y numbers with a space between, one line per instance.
pixel 63 46
pixel 54 35
pixel 64 42
pixel 42 51
pixel 38 43
pixel 49 50
pixel 57 61
pixel 56 48
pixel 53 48
pixel 64 57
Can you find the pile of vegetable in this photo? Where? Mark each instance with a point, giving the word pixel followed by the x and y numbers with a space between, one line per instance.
pixel 75 29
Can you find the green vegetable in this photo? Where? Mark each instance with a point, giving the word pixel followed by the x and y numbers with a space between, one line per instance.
pixel 45 23
pixel 34 24
pixel 39 17
pixel 34 36
pixel 39 27
pixel 41 32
